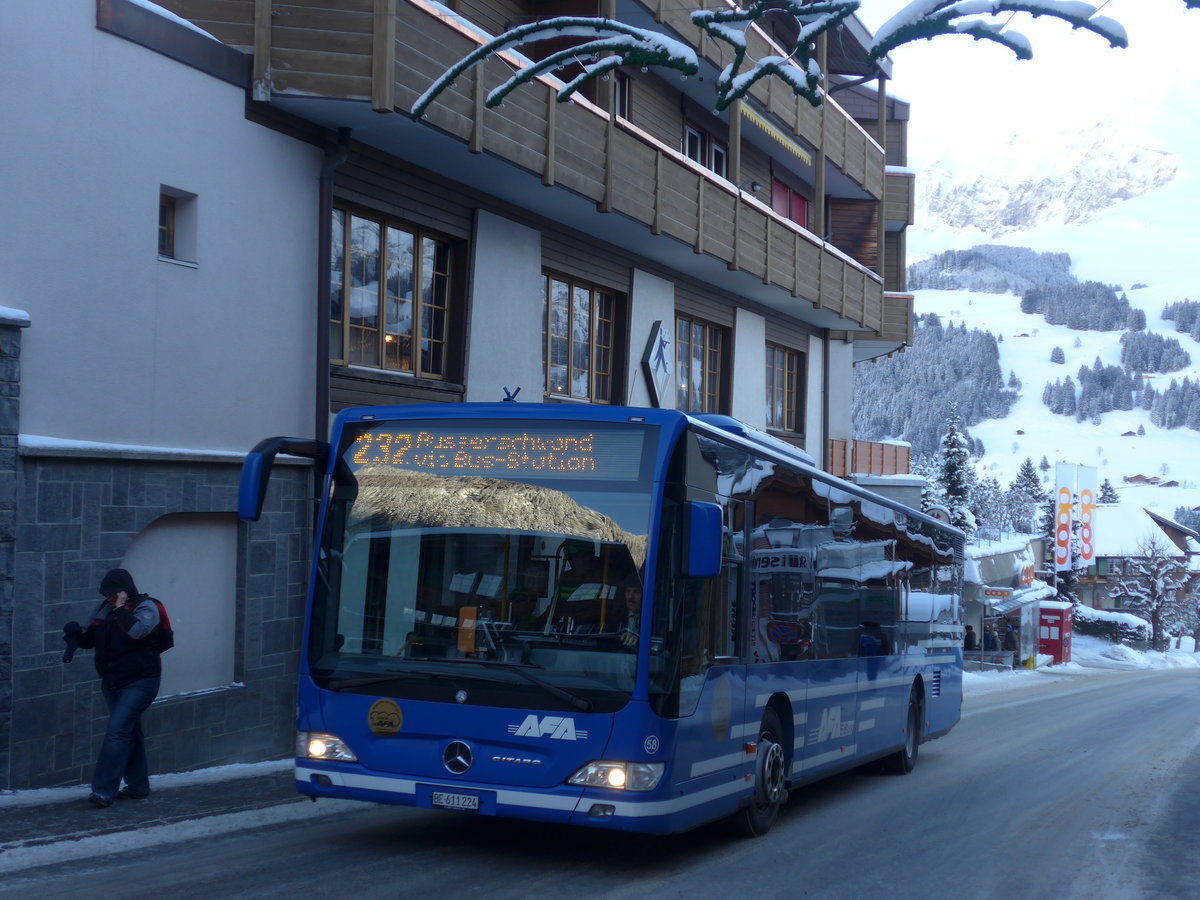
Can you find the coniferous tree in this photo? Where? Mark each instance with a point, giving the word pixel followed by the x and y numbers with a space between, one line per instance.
pixel 1057 356
pixel 1108 493
pixel 956 473
pixel 1188 518
pixel 1024 497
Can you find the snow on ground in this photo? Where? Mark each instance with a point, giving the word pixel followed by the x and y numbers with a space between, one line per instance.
pixel 1089 656
pixel 1027 343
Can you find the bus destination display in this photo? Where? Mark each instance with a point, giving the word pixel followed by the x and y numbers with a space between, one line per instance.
pixel 593 451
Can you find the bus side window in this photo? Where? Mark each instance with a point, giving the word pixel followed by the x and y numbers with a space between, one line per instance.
pixel 705 632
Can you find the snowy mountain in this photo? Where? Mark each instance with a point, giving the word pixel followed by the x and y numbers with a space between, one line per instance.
pixel 1093 169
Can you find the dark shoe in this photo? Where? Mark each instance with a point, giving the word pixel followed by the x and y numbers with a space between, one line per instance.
pixel 98 801
pixel 126 794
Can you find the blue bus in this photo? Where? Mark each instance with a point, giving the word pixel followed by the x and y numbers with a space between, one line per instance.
pixel 623 618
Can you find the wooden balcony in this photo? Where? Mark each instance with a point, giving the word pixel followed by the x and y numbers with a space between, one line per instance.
pixel 899 197
pixel 848 458
pixel 845 143
pixel 385 53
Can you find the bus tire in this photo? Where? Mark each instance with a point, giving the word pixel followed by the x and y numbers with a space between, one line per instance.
pixel 904 760
pixel 770 776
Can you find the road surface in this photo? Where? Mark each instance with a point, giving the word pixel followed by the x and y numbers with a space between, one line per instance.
pixel 1076 788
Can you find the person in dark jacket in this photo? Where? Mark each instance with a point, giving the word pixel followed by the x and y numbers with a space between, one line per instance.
pixel 1010 638
pixel 970 642
pixel 122 632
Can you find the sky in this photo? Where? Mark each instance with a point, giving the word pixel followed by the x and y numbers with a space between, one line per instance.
pixel 977 109
pixel 970 96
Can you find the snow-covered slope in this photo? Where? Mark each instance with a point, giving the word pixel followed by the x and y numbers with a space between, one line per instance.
pixel 1094 169
pixel 1031 430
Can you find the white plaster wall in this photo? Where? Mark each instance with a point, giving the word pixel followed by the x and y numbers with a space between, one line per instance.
pixel 814 400
pixel 653 300
pixel 123 347
pixel 841 389
pixel 749 369
pixel 504 343
pixel 199 591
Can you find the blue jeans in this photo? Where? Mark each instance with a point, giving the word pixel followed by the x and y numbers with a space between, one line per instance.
pixel 123 753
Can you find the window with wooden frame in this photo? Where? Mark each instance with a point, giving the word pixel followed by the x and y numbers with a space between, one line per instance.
pixel 785 397
pixel 699 365
pixel 789 203
pixel 701 147
pixel 622 95
pixel 389 295
pixel 579 328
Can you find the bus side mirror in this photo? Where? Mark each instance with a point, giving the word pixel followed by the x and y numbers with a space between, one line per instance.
pixel 256 469
pixel 701 539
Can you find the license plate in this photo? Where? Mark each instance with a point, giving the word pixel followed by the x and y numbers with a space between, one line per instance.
pixel 467 802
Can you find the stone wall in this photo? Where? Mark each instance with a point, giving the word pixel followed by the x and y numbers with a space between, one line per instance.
pixel 11 324
pixel 76 515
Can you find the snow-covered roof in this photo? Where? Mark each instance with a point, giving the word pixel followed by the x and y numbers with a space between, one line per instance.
pixel 1039 590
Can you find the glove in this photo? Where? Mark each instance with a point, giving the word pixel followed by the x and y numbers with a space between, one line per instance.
pixel 71 632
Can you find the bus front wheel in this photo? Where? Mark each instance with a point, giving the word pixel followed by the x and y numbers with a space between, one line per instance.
pixel 770 775
pixel 905 759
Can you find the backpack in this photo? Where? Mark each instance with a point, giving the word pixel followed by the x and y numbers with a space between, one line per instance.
pixel 164 635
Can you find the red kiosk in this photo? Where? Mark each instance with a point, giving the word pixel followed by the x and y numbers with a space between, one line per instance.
pixel 1055 626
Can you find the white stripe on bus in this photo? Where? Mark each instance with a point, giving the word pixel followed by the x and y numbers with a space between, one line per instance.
pixel 793 695
pixel 666 807
pixel 705 766
pixel 874 703
pixel 409 787
pixel 820 759
pixel 866 724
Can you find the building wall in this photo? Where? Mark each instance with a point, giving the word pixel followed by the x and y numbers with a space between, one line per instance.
pixel 97 126
pixel 749 401
pixel 653 301
pixel 77 518
pixel 11 323
pixel 505 342
pixel 142 382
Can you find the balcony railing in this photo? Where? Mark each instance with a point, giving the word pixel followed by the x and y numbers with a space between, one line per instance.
pixel 848 458
pixel 899 196
pixel 360 50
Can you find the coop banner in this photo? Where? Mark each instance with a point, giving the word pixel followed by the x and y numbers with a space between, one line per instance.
pixel 1064 493
pixel 1087 513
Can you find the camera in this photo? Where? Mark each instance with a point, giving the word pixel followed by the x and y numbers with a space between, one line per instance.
pixel 71 632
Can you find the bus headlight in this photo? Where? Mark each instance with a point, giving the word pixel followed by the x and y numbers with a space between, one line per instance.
pixel 313 745
pixel 621 776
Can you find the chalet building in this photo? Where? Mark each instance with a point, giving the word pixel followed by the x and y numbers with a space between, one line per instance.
pixel 1119 551
pixel 224 224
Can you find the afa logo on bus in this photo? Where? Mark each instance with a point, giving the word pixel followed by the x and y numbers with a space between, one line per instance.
pixel 557 728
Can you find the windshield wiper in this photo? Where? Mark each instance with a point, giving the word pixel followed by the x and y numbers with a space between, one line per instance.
pixel 580 703
pixel 341 684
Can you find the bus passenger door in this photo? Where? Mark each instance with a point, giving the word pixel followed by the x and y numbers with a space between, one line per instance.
pixel 831 710
pixel 710 753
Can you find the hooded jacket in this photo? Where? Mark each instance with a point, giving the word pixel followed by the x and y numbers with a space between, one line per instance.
pixel 123 637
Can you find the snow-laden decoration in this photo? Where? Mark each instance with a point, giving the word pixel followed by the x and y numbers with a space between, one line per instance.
pixel 798 70
pixel 924 19
pixel 607 44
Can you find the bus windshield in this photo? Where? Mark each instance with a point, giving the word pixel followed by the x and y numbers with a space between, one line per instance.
pixel 492 563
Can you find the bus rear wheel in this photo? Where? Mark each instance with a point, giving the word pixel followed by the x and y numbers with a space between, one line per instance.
pixel 904 760
pixel 770 776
